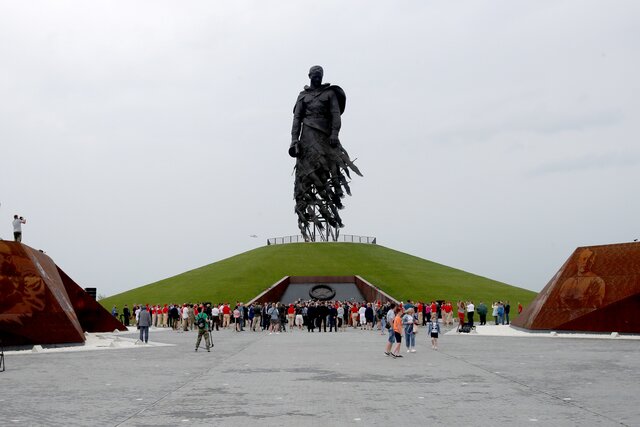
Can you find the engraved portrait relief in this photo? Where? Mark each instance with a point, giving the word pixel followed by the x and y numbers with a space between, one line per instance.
pixel 23 290
pixel 586 289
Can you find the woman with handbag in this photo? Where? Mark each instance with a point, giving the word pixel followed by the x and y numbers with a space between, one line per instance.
pixel 409 326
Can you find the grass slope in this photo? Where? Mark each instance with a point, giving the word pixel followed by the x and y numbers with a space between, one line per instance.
pixel 244 276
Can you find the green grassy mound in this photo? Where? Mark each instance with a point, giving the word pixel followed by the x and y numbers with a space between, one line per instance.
pixel 244 276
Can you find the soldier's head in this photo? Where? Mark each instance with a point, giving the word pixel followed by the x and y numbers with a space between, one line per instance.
pixel 585 261
pixel 315 75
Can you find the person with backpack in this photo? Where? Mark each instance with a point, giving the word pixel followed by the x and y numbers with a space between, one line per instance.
pixel 202 321
pixel 389 322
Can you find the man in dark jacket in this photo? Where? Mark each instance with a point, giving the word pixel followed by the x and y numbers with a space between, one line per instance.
pixel 126 315
pixel 482 312
pixel 312 313
pixel 174 315
pixel 368 315
pixel 333 313
pixel 507 309
pixel 144 321
pixel 323 312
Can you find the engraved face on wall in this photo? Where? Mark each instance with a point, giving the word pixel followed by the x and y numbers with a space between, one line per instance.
pixel 585 289
pixel 22 288
pixel 585 261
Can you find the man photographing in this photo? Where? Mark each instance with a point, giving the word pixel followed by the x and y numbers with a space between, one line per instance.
pixel 17 227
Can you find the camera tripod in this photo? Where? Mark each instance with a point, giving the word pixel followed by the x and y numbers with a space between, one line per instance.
pixel 1 356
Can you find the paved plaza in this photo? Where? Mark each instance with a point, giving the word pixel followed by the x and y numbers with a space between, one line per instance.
pixel 341 379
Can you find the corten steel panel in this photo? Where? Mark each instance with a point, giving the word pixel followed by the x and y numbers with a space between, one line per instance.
pixel 34 305
pixel 274 293
pixel 92 316
pixel 372 293
pixel 596 290
pixel 322 279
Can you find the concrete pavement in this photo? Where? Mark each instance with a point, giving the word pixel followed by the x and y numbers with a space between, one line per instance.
pixel 330 379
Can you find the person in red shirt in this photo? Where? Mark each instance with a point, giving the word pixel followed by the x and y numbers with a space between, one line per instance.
pixel 154 316
pixel 354 315
pixel 165 316
pixel 519 308
pixel 448 311
pixel 226 315
pixel 420 314
pixel 291 314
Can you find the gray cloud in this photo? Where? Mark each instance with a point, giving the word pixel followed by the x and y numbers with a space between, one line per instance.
pixel 591 162
pixel 141 139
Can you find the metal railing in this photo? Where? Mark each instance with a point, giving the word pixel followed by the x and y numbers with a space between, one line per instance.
pixel 348 238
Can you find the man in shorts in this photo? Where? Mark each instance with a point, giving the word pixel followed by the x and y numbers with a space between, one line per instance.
pixel 274 315
pixel 397 329
pixel 392 337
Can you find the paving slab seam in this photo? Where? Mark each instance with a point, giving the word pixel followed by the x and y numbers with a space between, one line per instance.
pixel 536 390
pixel 186 383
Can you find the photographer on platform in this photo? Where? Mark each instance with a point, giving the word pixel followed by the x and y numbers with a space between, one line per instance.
pixel 17 227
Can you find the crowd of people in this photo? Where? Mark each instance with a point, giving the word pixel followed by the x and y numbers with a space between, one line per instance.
pixel 396 320
pixel 500 310
pixel 311 315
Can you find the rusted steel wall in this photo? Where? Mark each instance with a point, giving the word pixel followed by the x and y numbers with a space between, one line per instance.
pixel 35 306
pixel 274 293
pixel 322 279
pixel 372 293
pixel 596 290
pixel 92 316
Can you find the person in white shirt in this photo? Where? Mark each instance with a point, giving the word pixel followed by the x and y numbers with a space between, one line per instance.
pixel 363 318
pixel 341 317
pixel 185 318
pixel 17 227
pixel 470 312
pixel 215 317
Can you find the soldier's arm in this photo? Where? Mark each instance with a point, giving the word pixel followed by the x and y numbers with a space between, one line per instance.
pixel 298 113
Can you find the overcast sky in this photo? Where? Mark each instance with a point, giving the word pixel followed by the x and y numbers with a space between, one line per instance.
pixel 141 139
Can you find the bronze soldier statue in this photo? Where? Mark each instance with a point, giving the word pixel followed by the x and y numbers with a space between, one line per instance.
pixel 321 161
